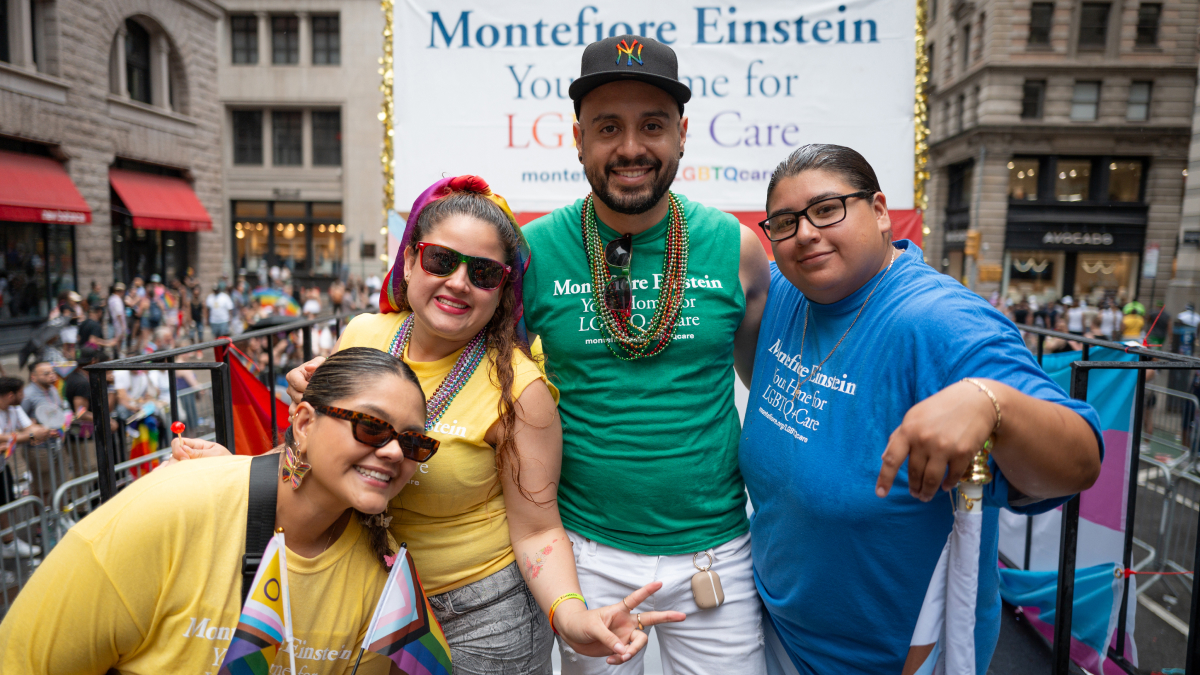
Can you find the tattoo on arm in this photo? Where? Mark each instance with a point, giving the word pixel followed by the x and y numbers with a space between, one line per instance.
pixel 534 567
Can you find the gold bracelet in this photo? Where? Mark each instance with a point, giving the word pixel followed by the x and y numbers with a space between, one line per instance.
pixel 554 606
pixel 995 403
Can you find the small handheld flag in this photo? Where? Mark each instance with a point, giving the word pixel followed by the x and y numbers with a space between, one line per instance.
pixel 404 627
pixel 266 620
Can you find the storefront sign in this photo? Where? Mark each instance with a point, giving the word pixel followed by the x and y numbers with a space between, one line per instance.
pixel 1079 238
pixel 1191 237
pixel 1150 262
pixel 482 88
pixel 956 237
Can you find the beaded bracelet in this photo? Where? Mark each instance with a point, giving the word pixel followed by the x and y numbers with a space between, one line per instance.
pixel 554 606
pixel 995 403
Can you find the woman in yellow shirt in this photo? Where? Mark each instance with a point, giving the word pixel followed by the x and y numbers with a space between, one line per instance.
pixel 150 582
pixel 482 521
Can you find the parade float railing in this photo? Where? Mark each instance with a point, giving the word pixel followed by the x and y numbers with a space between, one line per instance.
pixel 108 448
pixel 1148 359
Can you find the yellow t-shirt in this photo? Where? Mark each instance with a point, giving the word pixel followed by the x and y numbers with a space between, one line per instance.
pixel 1131 325
pixel 451 514
pixel 150 583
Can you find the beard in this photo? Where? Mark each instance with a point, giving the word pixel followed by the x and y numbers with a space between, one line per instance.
pixel 639 200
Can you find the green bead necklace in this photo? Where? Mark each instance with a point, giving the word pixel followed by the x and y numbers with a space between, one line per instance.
pixel 627 341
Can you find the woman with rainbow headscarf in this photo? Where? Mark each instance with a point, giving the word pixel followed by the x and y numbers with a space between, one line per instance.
pixel 482 520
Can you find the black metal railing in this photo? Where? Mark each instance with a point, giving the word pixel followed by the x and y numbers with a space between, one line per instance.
pixel 1147 359
pixel 107 454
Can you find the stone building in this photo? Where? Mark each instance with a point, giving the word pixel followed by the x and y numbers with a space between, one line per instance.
pixel 299 89
pixel 110 160
pixel 1059 132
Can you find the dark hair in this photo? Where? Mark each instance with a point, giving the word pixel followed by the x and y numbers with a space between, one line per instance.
pixel 501 330
pixel 838 159
pixel 89 355
pixel 33 366
pixel 9 385
pixel 342 375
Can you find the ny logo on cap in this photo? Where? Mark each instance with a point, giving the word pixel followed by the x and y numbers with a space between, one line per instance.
pixel 633 51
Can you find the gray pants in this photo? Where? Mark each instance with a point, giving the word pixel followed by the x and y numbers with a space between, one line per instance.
pixel 495 627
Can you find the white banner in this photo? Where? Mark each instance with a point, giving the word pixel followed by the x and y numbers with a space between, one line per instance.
pixel 481 88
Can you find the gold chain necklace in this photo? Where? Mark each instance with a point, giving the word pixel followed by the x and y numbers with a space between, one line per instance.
pixel 807 310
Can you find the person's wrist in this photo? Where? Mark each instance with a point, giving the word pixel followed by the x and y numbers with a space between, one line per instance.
pixel 566 615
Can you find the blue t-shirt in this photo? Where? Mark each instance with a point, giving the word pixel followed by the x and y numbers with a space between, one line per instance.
pixel 842 572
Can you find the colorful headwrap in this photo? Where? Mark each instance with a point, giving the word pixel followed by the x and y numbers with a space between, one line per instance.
pixel 389 295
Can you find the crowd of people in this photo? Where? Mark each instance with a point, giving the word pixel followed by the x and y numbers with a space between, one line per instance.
pixel 592 484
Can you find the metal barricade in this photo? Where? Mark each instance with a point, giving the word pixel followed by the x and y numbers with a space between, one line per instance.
pixel 24 519
pixel 1169 425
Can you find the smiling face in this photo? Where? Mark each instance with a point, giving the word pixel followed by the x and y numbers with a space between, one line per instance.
pixel 830 263
pixel 630 137
pixel 349 474
pixel 452 308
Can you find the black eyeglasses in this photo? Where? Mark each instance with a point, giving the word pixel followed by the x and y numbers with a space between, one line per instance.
pixel 441 261
pixel 824 213
pixel 376 433
pixel 618 295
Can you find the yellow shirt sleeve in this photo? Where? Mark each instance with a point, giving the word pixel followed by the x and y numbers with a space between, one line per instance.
pixel 71 595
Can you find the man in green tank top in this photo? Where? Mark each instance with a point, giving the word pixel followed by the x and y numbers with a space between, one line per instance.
pixel 647 305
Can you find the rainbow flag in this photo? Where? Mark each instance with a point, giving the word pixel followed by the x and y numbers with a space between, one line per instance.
pixel 252 433
pixel 404 627
pixel 145 443
pixel 266 620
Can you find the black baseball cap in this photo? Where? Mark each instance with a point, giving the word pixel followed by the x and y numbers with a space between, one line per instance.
pixel 629 57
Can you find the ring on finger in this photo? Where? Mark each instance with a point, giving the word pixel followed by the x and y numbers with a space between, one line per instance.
pixel 627 607
pixel 639 620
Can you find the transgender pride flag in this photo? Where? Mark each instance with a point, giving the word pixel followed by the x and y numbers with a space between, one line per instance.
pixel 1098 589
pixel 404 627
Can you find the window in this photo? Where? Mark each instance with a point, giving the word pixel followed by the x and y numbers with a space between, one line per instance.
pixel 1125 181
pixel 1032 97
pixel 245 39
pixel 137 61
pixel 286 136
pixel 1022 179
pixel 285 40
pixel 327 42
pixel 932 64
pixel 960 112
pixel 1085 102
pixel 247 137
pixel 966 47
pixel 933 7
pixel 960 183
pixel 1147 25
pixel 1073 181
pixel 4 55
pixel 327 137
pixel 1093 25
pixel 1139 102
pixel 286 233
pixel 1041 15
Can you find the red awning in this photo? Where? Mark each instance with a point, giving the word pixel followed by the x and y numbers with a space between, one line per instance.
pixel 37 189
pixel 160 202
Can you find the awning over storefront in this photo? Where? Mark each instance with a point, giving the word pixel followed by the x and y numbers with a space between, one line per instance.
pixel 160 202
pixel 37 189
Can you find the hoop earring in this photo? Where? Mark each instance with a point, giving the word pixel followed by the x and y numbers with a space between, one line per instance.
pixel 294 468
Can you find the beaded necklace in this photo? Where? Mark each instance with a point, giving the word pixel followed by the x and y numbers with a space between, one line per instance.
pixel 455 380
pixel 627 341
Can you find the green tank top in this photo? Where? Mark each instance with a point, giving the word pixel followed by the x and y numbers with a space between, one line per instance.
pixel 649 446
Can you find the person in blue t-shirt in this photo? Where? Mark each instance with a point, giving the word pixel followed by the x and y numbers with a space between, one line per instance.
pixel 876 381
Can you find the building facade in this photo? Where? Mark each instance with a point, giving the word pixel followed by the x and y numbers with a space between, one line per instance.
pixel 110 157
pixel 1059 133
pixel 300 91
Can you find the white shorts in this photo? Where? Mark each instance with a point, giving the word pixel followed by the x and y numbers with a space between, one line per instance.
pixel 728 639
